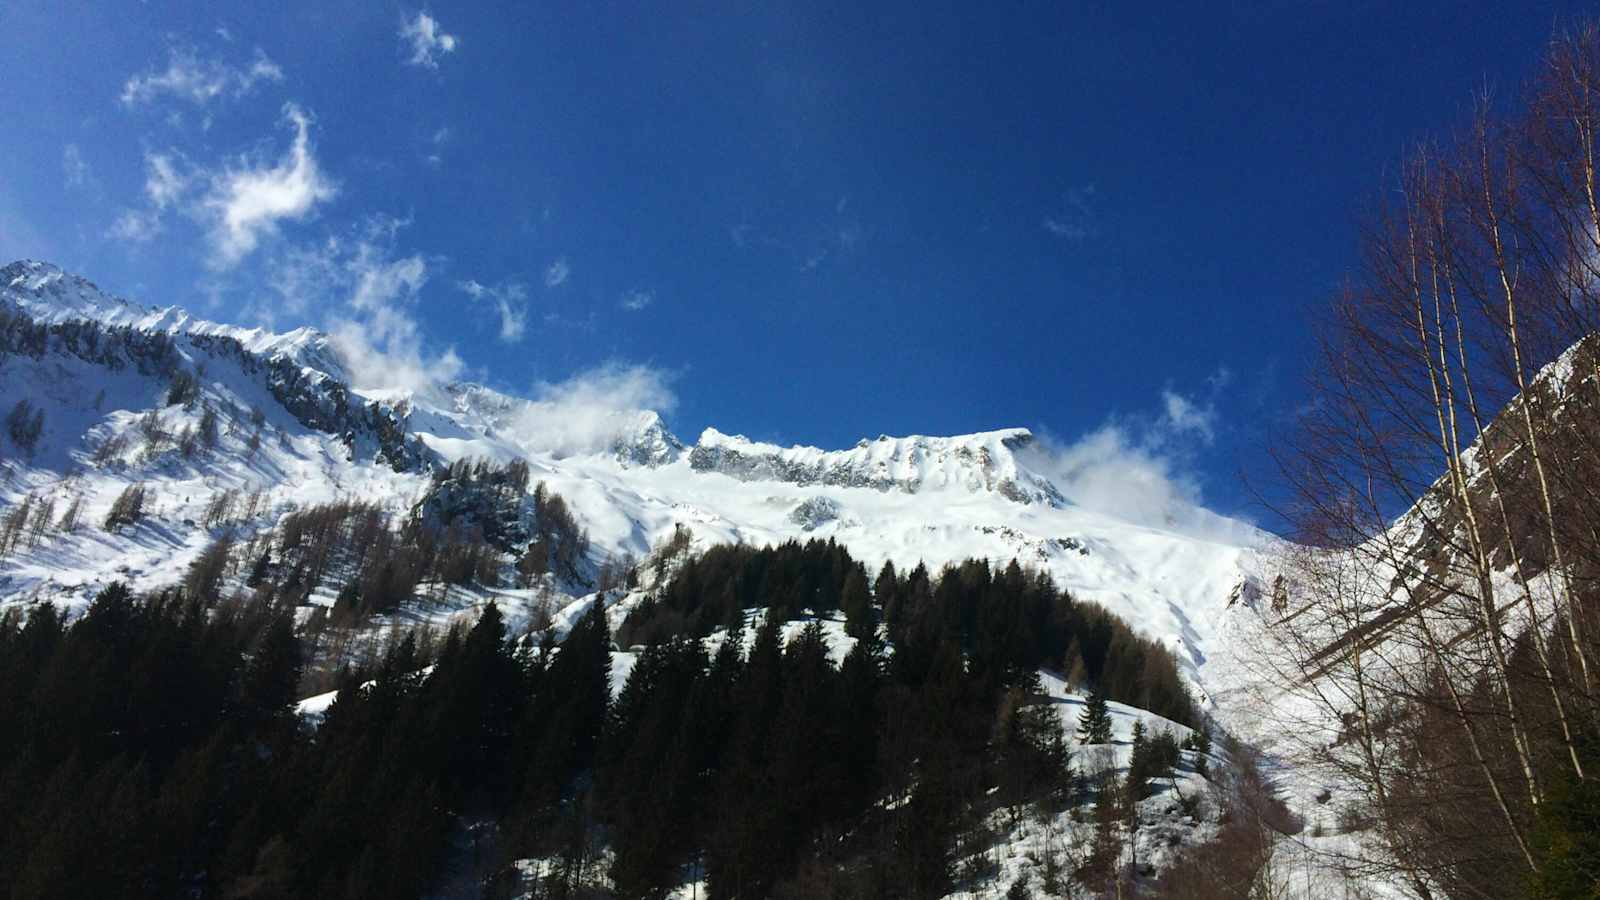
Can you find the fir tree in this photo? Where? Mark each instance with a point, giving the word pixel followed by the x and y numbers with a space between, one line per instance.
pixel 857 605
pixel 1094 723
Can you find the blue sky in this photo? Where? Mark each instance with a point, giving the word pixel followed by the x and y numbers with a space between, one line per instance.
pixel 812 224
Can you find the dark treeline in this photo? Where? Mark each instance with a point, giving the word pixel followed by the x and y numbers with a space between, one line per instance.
pixel 1005 622
pixel 150 749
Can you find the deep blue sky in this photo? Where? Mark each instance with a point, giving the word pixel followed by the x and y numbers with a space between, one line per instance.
pixel 837 221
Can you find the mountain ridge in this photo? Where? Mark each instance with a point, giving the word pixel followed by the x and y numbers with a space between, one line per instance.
pixel 628 478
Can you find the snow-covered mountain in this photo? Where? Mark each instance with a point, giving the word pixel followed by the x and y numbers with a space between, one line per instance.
pixel 294 431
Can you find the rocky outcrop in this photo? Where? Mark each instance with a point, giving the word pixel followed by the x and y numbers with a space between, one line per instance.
pixel 976 462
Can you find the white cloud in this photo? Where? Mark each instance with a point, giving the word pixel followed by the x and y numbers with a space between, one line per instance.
pixel 167 181
pixel 509 300
pixel 163 183
pixel 246 202
pixel 427 41
pixel 369 292
pixel 588 412
pixel 74 169
pixel 1139 469
pixel 635 300
pixel 382 283
pixel 1117 471
pixel 385 352
pixel 136 226
pixel 1184 416
pixel 198 80
pixel 558 272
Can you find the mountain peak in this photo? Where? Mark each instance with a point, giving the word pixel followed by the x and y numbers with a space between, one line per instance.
pixel 983 461
pixel 50 293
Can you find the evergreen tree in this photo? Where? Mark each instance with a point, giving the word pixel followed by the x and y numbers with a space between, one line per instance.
pixel 857 605
pixel 267 691
pixel 1200 743
pixel 1094 723
pixel 261 569
pixel 1140 764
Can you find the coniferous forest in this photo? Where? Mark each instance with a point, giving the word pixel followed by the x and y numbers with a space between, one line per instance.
pixel 150 747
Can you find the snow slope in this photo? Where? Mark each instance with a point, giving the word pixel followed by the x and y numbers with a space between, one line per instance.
pixel 907 500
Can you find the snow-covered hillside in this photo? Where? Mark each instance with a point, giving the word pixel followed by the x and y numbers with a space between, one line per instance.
pixel 294 432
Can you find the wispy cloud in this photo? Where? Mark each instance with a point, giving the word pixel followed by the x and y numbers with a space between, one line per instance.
pixel 1184 417
pixel 248 200
pixel 1141 468
pixel 1076 220
pixel 75 170
pixel 636 299
pixel 164 182
pixel 510 301
pixel 168 180
pixel 199 80
pixel 368 292
pixel 433 155
pixel 426 40
pixel 135 226
pixel 558 273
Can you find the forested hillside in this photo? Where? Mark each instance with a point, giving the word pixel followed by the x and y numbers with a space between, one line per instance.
pixel 160 730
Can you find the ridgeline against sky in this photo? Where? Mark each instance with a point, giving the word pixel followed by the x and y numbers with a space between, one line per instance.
pixel 808 226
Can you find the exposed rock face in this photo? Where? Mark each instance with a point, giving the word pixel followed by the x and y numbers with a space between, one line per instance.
pixel 44 309
pixel 977 462
pixel 1432 545
pixel 646 443
pixel 814 513
pixel 1565 398
pixel 492 505
pixel 324 404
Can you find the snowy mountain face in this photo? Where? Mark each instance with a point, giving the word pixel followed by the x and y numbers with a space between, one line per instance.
pixel 975 463
pixel 294 432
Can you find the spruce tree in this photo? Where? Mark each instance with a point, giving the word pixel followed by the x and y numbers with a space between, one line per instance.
pixel 857 605
pixel 1094 724
pixel 1140 764
pixel 1200 742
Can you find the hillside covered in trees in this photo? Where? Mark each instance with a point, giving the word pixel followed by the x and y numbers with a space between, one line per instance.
pixel 160 730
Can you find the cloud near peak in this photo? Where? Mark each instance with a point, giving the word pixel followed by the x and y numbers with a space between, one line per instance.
pixel 1141 468
pixel 367 291
pixel 589 411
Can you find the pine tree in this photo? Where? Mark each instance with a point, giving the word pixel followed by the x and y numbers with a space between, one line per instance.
pixel 1140 765
pixel 1094 724
pixel 271 677
pixel 857 605
pixel 347 605
pixel 259 572
pixel 1200 743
